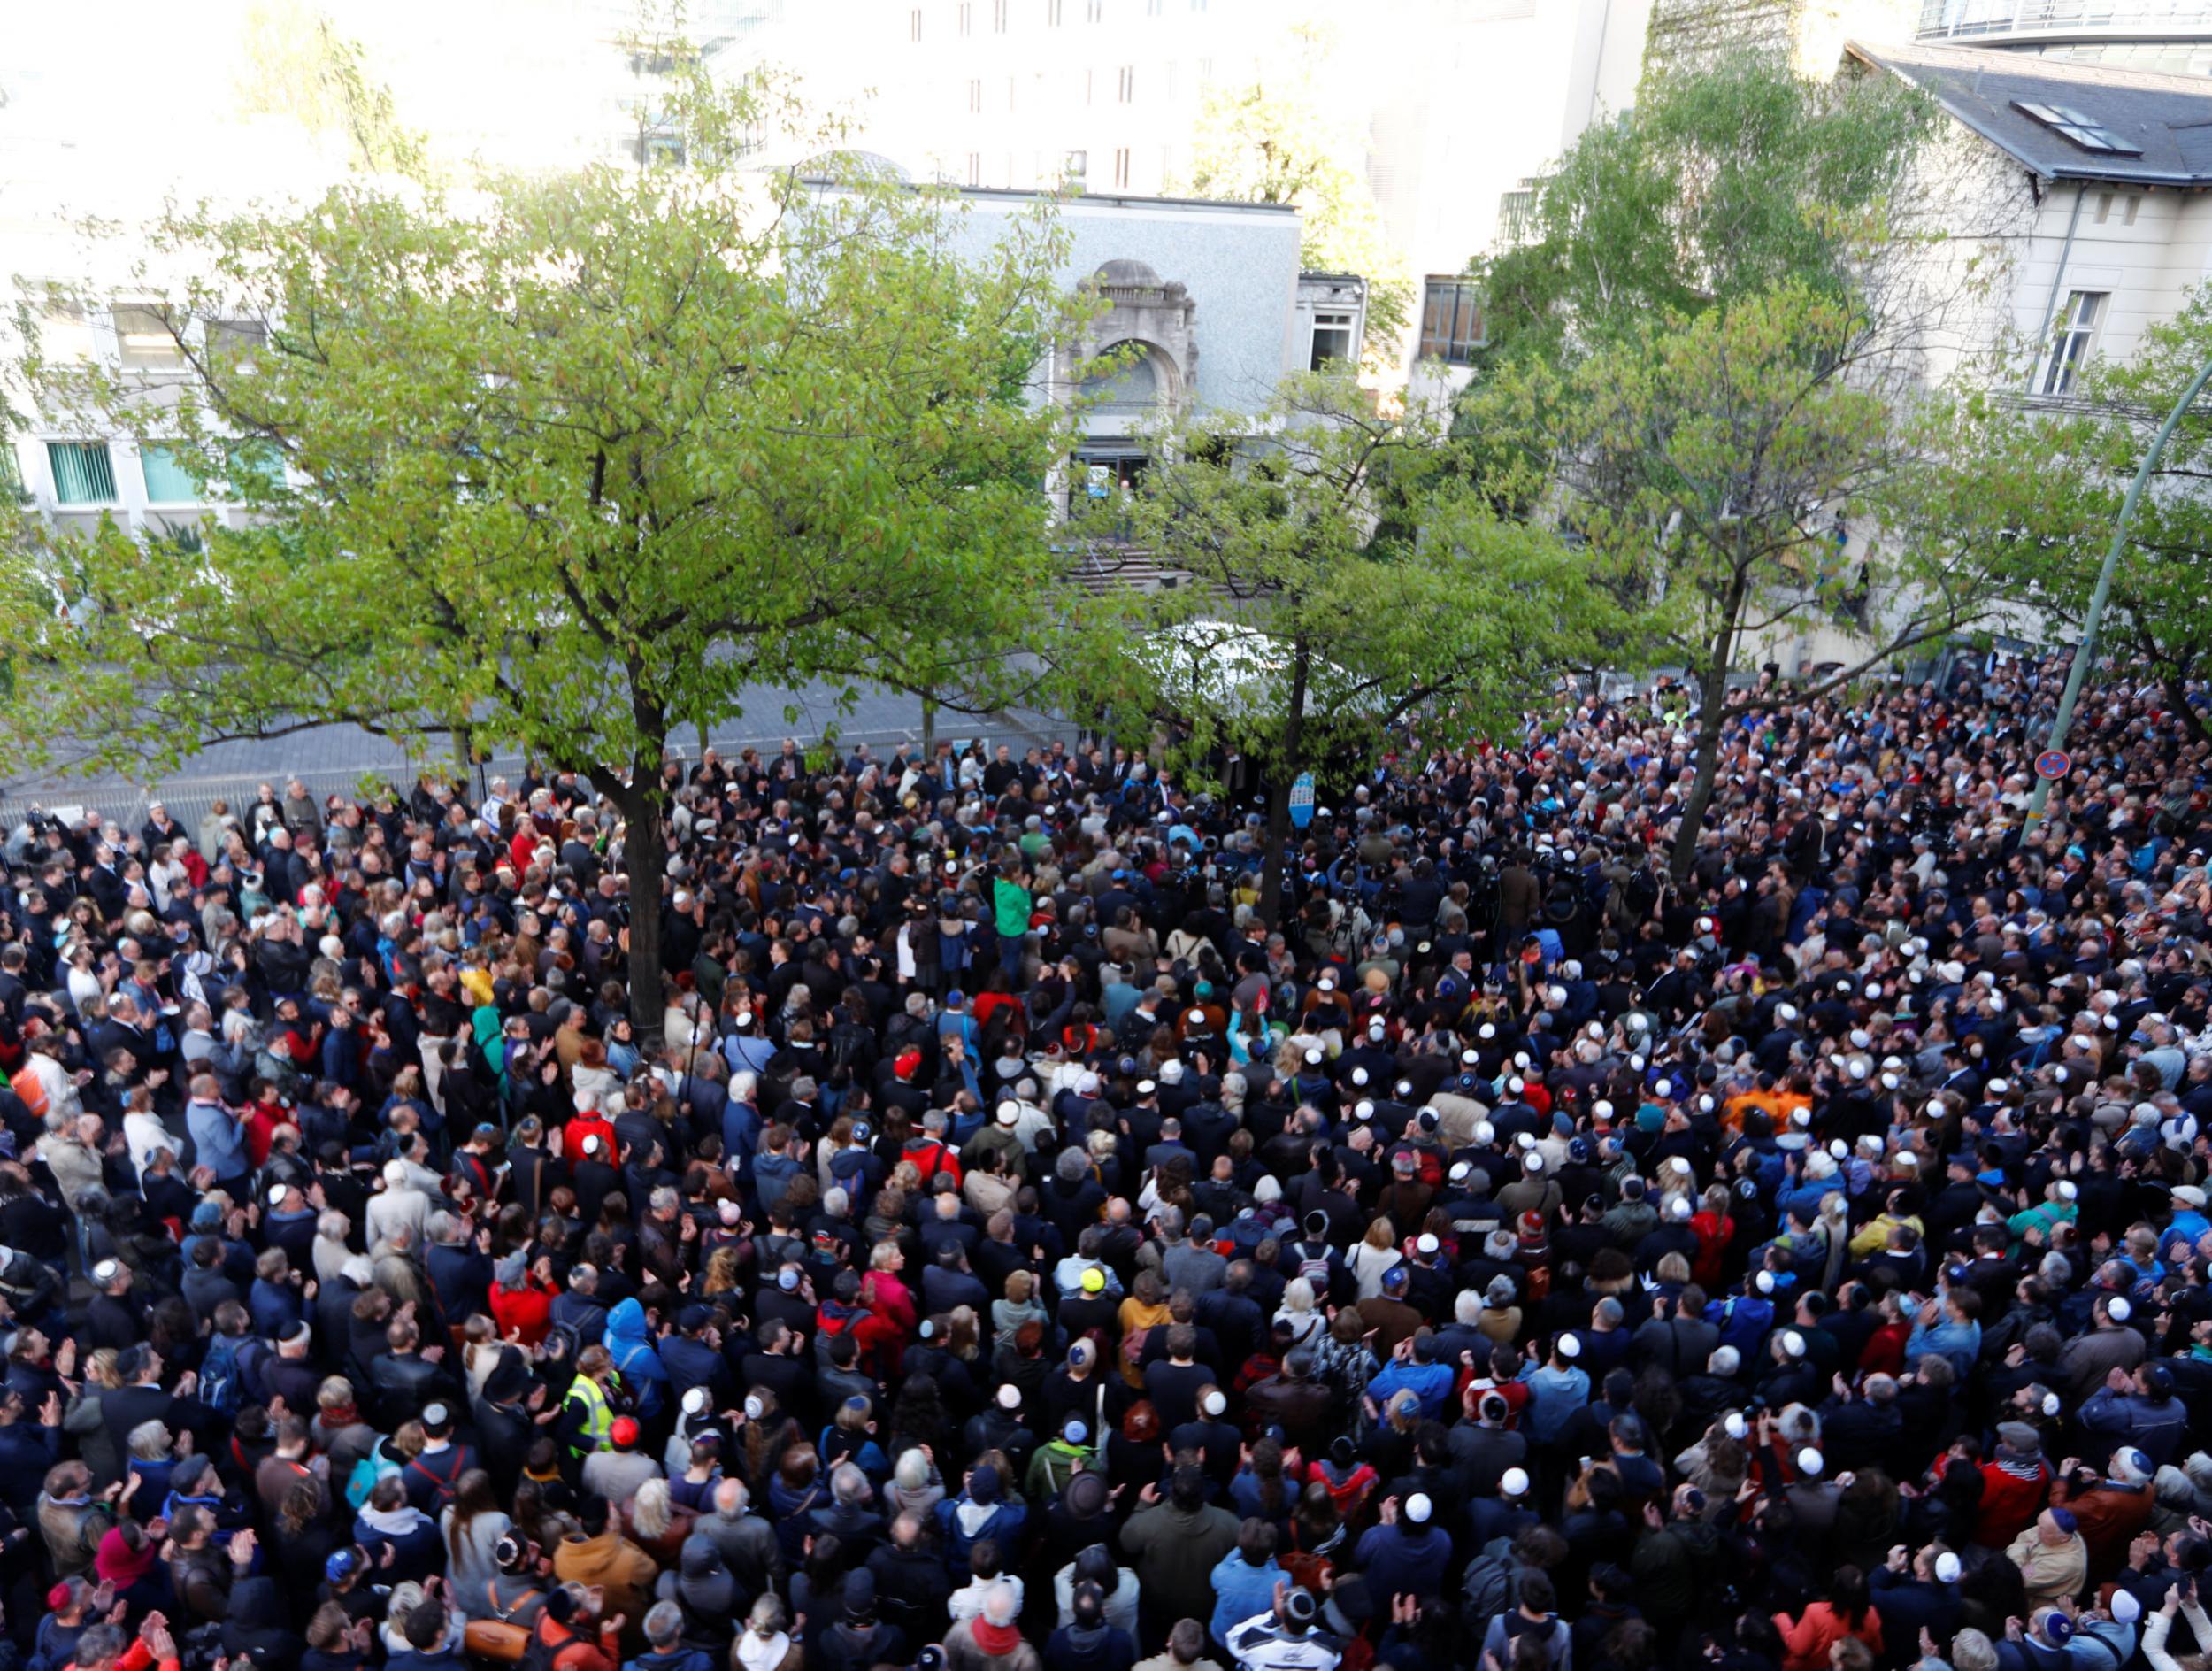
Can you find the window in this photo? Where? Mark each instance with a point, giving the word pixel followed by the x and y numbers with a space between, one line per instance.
pixel 11 475
pixel 145 339
pixel 2127 215
pixel 975 168
pixel 1009 92
pixel 1205 72
pixel 914 24
pixel 975 99
pixel 82 473
pixel 1451 320
pixel 1153 8
pixel 1079 165
pixel 1517 212
pixel 232 344
pixel 1090 89
pixel 2104 207
pixel 1121 169
pixel 1095 12
pixel 967 18
pixel 2076 335
pixel 998 15
pixel 169 479
pixel 2081 130
pixel 1053 12
pixel 1126 84
pixel 64 332
pixel 1331 339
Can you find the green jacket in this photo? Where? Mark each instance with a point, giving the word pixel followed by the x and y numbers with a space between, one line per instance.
pixel 1009 902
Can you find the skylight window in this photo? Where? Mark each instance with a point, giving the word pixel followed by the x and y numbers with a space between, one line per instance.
pixel 2085 131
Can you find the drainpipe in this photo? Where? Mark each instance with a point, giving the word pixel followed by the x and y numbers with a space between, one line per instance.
pixel 2058 278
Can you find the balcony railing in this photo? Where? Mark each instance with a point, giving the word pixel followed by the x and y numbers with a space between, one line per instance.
pixel 1963 19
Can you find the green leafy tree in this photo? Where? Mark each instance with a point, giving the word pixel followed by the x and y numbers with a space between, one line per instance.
pixel 1724 182
pixel 1277 139
pixel 1706 462
pixel 2054 482
pixel 565 465
pixel 1339 580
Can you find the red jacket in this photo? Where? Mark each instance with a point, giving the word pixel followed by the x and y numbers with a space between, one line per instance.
pixel 527 1309
pixel 2011 1498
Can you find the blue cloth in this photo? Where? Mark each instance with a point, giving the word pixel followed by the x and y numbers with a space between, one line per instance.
pixel 1554 1395
pixel 216 1139
pixel 1241 1589
pixel 630 1343
pixel 1431 1384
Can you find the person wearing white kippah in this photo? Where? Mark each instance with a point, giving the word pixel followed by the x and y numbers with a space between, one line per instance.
pixel 2111 1343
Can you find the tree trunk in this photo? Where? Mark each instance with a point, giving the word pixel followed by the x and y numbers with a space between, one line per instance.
pixel 1278 793
pixel 2176 692
pixel 645 856
pixel 1711 720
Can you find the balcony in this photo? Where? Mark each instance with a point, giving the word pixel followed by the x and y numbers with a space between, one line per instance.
pixel 1975 19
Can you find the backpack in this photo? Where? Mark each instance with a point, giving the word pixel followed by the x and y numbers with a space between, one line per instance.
pixel 541 1655
pixel 1313 1268
pixel 441 1488
pixel 221 1381
pixel 367 1474
pixel 1488 1590
pixel 1132 1354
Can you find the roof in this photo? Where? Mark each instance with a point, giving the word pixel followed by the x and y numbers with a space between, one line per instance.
pixel 2167 119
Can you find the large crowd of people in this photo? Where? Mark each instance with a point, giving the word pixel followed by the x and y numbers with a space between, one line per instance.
pixel 1006 1249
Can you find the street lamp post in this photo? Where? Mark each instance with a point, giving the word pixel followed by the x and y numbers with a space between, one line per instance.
pixel 2085 652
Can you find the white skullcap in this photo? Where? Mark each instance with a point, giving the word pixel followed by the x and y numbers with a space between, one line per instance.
pixel 2125 1609
pixel 1999 1087
pixel 1418 1508
pixel 1786 1012
pixel 1569 1347
pixel 2118 1309
pixel 1470 1057
pixel 1793 1343
pixel 1678 1207
pixel 1533 1161
pixel 1839 1148
pixel 1313 1057
pixel 2066 1189
pixel 1513 1482
pixel 1763 1281
pixel 1359 1076
pixel 1515 1086
pixel 1364 1109
pixel 1810 1462
pixel 1946 1568
pixel 1734 1425
pixel 1010 1397
pixel 1485 1133
pixel 1525 1139
pixel 1216 1403
pixel 1601 1109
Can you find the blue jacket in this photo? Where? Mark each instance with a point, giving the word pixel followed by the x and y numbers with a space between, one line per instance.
pixel 1554 1395
pixel 216 1139
pixel 1431 1384
pixel 1960 1343
pixel 1241 1589
pixel 2128 1418
pixel 636 1357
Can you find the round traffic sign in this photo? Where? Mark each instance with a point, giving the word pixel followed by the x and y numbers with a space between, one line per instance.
pixel 2052 765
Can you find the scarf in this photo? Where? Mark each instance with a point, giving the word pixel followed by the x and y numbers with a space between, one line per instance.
pixel 392 1523
pixel 997 1639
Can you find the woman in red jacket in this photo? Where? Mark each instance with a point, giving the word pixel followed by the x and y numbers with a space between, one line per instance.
pixel 522 1300
pixel 1806 1642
